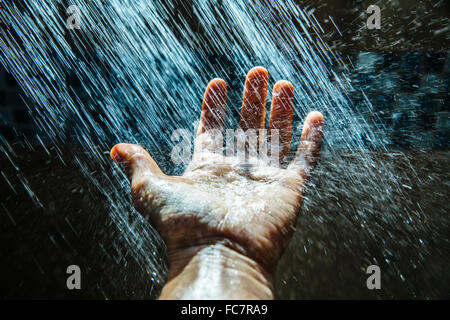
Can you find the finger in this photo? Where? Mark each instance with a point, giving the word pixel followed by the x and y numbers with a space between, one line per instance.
pixel 213 107
pixel 136 160
pixel 212 119
pixel 139 166
pixel 254 101
pixel 308 150
pixel 280 126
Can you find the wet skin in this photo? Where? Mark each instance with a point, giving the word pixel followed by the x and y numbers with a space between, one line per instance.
pixel 227 220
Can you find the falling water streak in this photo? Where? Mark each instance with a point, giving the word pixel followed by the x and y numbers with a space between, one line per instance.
pixel 131 64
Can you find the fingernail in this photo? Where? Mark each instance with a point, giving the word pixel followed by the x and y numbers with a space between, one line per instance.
pixel 115 155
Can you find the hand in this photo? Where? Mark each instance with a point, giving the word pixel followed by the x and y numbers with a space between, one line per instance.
pixel 239 207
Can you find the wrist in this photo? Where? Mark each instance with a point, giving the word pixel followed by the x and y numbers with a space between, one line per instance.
pixel 216 271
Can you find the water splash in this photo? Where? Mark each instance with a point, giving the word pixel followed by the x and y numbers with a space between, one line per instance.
pixel 141 75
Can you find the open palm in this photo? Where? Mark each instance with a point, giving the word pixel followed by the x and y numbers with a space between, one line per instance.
pixel 248 202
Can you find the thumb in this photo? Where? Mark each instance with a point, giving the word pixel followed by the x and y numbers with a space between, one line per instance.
pixel 136 160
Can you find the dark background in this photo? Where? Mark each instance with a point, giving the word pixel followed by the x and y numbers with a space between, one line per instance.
pixel 404 69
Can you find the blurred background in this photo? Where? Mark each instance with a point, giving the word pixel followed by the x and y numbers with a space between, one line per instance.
pixel 52 216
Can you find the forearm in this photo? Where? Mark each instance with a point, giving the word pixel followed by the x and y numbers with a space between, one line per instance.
pixel 215 272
